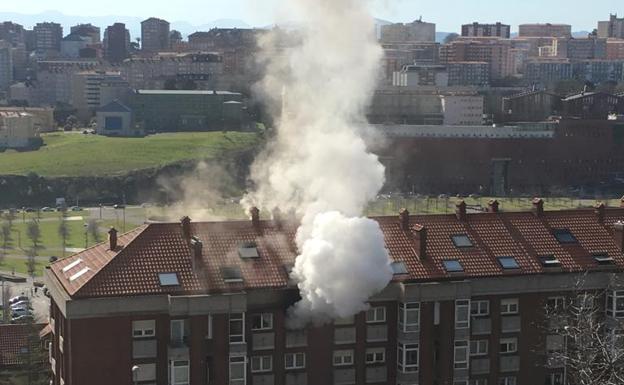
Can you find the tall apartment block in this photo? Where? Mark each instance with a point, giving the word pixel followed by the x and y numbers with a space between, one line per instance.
pixel 6 65
pixel 87 30
pixel 154 35
pixel 409 32
pixel 116 43
pixel 207 303
pixel 494 51
pixel 614 27
pixel 48 37
pixel 545 30
pixel 477 29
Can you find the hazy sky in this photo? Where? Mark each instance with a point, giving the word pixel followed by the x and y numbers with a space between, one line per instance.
pixel 448 14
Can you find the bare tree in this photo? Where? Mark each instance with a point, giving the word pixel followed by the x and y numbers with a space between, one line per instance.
pixel 34 233
pixel 5 234
pixel 93 229
pixel 64 233
pixel 585 339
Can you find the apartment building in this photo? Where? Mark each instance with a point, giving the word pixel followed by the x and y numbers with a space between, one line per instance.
pixel 6 65
pixel 54 79
pixel 93 89
pixel 546 70
pixel 48 37
pixel 87 30
pixel 469 73
pixel 612 28
pixel 494 51
pixel 417 30
pixel 615 49
pixel 477 30
pixel 206 303
pixel 154 35
pixel 12 32
pixel 462 110
pixel 421 75
pixel 545 30
pixel 17 130
pixel 116 43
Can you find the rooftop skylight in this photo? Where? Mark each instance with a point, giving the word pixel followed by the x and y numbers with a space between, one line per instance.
pixel 603 258
pixel 168 279
pixel 453 266
pixel 231 274
pixel 564 236
pixel 72 265
pixel 248 250
pixel 398 268
pixel 508 263
pixel 549 261
pixel 461 240
pixel 78 274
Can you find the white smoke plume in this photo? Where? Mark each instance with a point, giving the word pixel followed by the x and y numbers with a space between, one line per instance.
pixel 318 165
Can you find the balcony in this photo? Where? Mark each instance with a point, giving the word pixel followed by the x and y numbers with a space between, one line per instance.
pixel 263 379
pixel 480 365
pixel 263 341
pixel 344 376
pixel 509 363
pixel 375 374
pixel 510 324
pixel 481 326
pixel 375 333
pixel 144 348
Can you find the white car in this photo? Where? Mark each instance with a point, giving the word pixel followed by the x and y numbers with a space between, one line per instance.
pixel 17 299
pixel 19 311
pixel 24 304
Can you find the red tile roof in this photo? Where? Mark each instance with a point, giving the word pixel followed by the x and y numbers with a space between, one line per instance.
pixel 160 248
pixel 14 342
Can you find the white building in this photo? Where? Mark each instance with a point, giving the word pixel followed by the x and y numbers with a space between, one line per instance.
pixel 17 130
pixel 462 110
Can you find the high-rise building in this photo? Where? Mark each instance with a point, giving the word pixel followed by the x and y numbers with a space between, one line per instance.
pixel 494 51
pixel 6 65
pixel 614 27
pixel 416 31
pixel 154 35
pixel 116 43
pixel 207 302
pixel 477 29
pixel 545 30
pixel 12 32
pixel 48 37
pixel 87 30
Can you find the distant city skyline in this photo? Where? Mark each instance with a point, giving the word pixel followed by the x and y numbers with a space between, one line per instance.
pixel 448 16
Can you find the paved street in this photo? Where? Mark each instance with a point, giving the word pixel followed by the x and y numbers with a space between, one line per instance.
pixel 39 302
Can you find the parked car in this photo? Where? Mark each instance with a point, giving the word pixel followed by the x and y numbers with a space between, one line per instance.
pixel 21 304
pixel 119 206
pixel 22 319
pixel 18 311
pixel 76 208
pixel 17 299
pixel 47 209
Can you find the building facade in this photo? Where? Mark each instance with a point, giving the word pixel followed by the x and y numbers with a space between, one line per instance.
pixel 6 65
pixel 48 37
pixel 208 302
pixel 545 30
pixel 613 28
pixel 470 73
pixel 421 75
pixel 493 51
pixel 116 43
pixel 87 30
pixel 93 89
pixel 416 31
pixel 462 110
pixel 17 130
pixel 477 29
pixel 154 35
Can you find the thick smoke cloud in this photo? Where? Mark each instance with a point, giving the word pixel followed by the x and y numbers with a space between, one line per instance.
pixel 318 165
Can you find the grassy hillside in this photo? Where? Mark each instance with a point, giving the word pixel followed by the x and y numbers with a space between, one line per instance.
pixel 75 154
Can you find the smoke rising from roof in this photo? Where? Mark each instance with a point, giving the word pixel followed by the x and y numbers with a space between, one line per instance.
pixel 318 164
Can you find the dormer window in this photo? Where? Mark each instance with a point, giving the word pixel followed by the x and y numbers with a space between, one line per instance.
pixel 564 236
pixel 602 258
pixel 549 261
pixel 231 274
pixel 508 263
pixel 398 268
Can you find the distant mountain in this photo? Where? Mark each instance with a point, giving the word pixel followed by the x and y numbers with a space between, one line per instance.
pixel 440 36
pixel 132 23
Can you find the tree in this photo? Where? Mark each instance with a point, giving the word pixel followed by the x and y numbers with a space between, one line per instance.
pixel 34 233
pixel 93 230
pixel 34 358
pixel 64 233
pixel 10 216
pixel 5 234
pixel 590 348
pixel 450 38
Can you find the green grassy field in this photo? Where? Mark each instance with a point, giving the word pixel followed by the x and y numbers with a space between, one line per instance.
pixel 67 154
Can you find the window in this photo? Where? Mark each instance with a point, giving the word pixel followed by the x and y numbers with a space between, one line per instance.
pixel 261 364
pixel 248 250
pixel 231 274
pixel 453 266
pixel 409 316
pixel 509 380
pixel 376 314
pixel 398 268
pixel 554 379
pixel 143 329
pixel 343 357
pixel 603 258
pixel 564 236
pixel 555 303
pixel 262 321
pixel 461 240
pixel 508 263
pixel 508 345
pixel 296 338
pixel 407 359
pixel 462 312
pixel 478 381
pixel 238 371
pixel 178 331
pixel 478 347
pixel 168 279
pixel 294 360
pixel 344 321
pixel 461 354
pixel 509 306
pixel 179 371
pixel 615 303
pixel 237 328
pixel 375 355
pixel 460 381
pixel 549 261
pixel 480 308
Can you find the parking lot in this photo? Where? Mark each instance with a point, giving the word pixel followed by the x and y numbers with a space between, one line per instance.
pixel 38 301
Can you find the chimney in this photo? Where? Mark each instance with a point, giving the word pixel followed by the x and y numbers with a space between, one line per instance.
pixel 276 215
pixel 460 210
pixel 492 206
pixel 196 251
pixel 599 209
pixel 185 222
pixel 538 207
pixel 112 239
pixel 618 233
pixel 420 240
pixel 255 217
pixel 404 219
